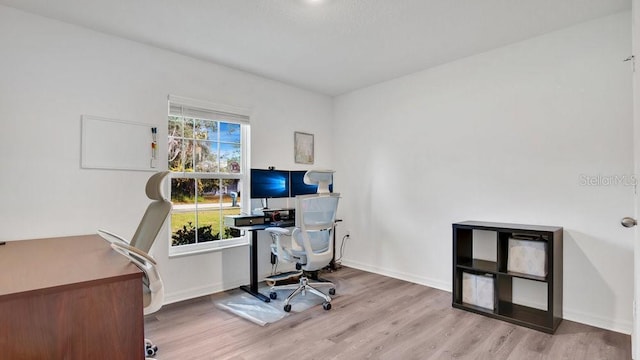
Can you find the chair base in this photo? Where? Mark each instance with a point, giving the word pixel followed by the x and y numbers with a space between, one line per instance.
pixel 301 288
pixel 285 278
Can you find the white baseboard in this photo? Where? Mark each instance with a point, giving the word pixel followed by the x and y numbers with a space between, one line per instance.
pixel 399 275
pixel 196 292
pixel 624 327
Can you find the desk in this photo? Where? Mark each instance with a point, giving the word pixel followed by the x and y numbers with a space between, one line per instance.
pixel 252 288
pixel 69 298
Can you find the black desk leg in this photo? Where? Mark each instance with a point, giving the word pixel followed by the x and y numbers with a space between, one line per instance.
pixel 252 288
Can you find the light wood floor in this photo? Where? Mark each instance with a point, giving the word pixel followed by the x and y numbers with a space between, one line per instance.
pixel 373 317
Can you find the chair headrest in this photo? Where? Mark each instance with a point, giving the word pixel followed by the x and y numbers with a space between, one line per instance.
pixel 154 186
pixel 321 178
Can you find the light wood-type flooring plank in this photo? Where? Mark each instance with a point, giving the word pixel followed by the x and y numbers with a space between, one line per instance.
pixel 373 317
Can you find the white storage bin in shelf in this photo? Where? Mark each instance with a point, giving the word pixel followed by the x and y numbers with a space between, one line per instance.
pixel 478 290
pixel 527 257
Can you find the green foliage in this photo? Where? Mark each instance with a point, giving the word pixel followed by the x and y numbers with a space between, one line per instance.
pixel 184 189
pixel 187 235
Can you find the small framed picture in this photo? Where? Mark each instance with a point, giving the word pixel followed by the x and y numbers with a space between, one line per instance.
pixel 303 148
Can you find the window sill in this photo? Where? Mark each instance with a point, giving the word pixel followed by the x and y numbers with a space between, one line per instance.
pixel 196 249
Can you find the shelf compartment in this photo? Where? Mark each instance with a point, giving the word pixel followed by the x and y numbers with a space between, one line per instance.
pixel 527 256
pixel 526 292
pixel 479 290
pixel 525 316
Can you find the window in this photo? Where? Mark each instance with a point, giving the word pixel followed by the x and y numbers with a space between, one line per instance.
pixel 207 155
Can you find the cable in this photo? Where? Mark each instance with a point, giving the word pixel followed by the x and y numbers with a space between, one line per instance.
pixel 344 241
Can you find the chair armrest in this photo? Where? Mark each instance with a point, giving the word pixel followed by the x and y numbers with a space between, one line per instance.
pixel 127 250
pixel 111 237
pixel 278 230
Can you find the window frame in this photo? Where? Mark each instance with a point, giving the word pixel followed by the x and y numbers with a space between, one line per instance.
pixel 238 116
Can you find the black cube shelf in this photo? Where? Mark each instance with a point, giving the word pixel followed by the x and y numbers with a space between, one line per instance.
pixel 504 308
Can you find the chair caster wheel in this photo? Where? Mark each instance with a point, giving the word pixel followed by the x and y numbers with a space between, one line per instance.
pixel 326 306
pixel 273 295
pixel 150 350
pixel 332 291
pixel 287 308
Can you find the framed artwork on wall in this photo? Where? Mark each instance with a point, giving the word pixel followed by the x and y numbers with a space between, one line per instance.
pixel 303 148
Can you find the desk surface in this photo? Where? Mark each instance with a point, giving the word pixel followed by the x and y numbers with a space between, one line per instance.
pixel 54 264
pixel 282 224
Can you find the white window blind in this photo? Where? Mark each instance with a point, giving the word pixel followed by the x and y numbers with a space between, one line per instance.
pixel 180 106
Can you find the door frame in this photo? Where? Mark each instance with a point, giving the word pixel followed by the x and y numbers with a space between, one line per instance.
pixel 635 46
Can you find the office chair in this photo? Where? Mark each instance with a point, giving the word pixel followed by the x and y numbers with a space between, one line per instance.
pixel 138 249
pixel 153 288
pixel 152 220
pixel 310 245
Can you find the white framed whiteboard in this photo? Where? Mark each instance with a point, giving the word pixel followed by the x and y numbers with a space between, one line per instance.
pixel 117 144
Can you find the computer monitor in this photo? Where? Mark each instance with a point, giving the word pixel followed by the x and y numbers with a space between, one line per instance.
pixel 267 184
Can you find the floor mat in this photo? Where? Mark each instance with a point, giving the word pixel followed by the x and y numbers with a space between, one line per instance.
pixel 262 313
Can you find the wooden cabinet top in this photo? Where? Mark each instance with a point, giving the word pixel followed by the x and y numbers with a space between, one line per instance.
pixel 55 264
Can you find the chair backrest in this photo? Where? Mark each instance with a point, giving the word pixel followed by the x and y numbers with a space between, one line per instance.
pixel 315 222
pixel 155 215
pixel 153 288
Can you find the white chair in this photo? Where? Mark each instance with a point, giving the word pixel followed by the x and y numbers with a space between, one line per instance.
pixel 153 218
pixel 153 288
pixel 138 249
pixel 309 245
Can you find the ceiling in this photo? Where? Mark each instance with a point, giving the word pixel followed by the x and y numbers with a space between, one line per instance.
pixel 327 46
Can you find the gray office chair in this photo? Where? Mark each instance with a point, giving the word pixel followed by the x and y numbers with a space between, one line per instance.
pixel 309 245
pixel 152 220
pixel 137 250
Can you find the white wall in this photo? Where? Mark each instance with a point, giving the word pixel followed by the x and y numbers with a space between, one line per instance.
pixel 51 73
pixel 501 136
